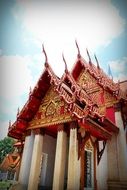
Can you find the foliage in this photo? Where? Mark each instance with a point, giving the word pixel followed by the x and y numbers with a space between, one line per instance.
pixel 5 184
pixel 6 146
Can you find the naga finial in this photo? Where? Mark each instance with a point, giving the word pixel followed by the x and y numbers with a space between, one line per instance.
pixel 88 56
pixel 66 69
pixel 79 55
pixel 110 72
pixel 98 66
pixel 9 123
pixel 30 91
pixel 18 112
pixel 46 58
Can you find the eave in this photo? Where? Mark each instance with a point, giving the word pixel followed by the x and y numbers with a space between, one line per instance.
pixel 96 129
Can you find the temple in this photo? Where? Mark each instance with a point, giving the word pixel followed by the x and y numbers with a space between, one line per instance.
pixel 74 130
pixel 9 168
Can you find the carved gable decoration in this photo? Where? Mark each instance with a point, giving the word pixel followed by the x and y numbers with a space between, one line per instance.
pixel 99 95
pixel 53 110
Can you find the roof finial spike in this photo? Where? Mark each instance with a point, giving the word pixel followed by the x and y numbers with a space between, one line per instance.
pixel 66 69
pixel 30 91
pixel 9 123
pixel 98 66
pixel 18 112
pixel 110 72
pixel 46 58
pixel 88 56
pixel 79 55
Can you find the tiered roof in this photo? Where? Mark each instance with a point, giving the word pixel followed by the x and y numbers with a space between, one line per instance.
pixel 80 103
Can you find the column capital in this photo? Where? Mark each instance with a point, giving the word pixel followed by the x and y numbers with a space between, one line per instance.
pixel 38 131
pixel 73 125
pixel 61 127
pixel 28 132
pixel 117 107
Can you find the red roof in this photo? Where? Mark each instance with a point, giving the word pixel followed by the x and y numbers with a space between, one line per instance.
pixel 73 94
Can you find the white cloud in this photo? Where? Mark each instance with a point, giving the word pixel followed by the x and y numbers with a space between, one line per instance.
pixel 119 68
pixel 94 23
pixel 16 75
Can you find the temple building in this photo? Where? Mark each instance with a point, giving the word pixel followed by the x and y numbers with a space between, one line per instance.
pixel 74 130
pixel 9 168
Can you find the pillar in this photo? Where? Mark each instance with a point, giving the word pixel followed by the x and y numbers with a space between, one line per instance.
pixel 117 157
pixel 122 152
pixel 73 162
pixel 36 161
pixel 26 159
pixel 112 158
pixel 60 159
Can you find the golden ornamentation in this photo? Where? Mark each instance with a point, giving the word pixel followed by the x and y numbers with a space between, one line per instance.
pixel 96 92
pixel 99 96
pixel 88 82
pixel 52 111
pixel 88 145
pixel 110 100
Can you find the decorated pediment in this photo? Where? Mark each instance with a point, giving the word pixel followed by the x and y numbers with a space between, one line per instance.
pixel 52 111
pixel 98 94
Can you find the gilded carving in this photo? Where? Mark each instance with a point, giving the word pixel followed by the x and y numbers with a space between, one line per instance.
pixel 110 100
pixel 96 92
pixel 88 82
pixel 99 96
pixel 50 109
pixel 88 145
pixel 53 110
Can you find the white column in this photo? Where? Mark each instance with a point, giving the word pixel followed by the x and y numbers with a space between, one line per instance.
pixel 26 160
pixel 60 159
pixel 122 151
pixel 112 159
pixel 36 162
pixel 73 162
pixel 117 157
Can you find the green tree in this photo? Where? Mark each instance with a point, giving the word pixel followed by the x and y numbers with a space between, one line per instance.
pixel 6 146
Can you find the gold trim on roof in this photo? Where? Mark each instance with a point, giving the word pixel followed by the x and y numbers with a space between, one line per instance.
pixel 52 111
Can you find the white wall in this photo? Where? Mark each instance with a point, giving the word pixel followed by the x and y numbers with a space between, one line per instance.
pixel 102 172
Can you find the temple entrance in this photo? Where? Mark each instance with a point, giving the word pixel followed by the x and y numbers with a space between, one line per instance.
pixel 47 163
pixel 89 166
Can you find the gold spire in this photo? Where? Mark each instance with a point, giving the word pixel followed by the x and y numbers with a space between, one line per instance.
pixel 66 69
pixel 98 66
pixel 88 56
pixel 9 123
pixel 30 91
pixel 18 112
pixel 79 55
pixel 46 58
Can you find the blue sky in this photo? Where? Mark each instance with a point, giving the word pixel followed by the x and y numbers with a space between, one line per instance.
pixel 99 25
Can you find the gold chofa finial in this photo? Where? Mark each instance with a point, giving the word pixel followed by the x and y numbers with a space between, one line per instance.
pixel 110 72
pixel 46 58
pixel 66 69
pixel 79 55
pixel 88 56
pixel 9 123
pixel 30 91
pixel 18 111
pixel 98 66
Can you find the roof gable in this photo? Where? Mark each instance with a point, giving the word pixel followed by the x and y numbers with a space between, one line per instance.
pixel 52 110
